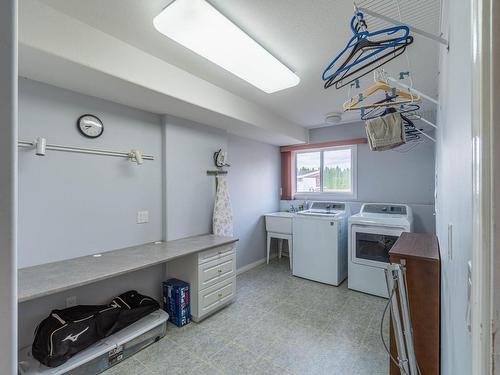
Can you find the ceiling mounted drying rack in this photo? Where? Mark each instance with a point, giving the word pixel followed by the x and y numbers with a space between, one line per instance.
pixel 423 20
pixel 365 52
pixel 369 50
pixel 411 96
pixel 40 146
pixel 413 29
pixel 412 90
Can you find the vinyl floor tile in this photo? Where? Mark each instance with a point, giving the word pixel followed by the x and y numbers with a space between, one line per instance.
pixel 130 366
pixel 166 357
pixel 234 359
pixel 278 324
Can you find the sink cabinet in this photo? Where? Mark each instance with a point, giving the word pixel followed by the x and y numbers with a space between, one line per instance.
pixel 279 222
pixel 280 225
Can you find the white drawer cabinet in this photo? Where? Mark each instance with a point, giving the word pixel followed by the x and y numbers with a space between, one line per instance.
pixel 211 275
pixel 212 298
pixel 216 253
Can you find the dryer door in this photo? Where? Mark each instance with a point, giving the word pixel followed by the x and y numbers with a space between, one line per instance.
pixel 370 245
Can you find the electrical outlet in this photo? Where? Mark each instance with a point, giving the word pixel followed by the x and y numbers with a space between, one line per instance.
pixel 142 217
pixel 71 301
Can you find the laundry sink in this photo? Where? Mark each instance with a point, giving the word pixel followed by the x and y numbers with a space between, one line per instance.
pixel 279 222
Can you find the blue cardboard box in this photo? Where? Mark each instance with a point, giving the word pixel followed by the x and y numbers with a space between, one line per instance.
pixel 176 301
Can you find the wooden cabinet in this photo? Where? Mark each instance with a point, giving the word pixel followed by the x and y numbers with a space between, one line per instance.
pixel 423 272
pixel 211 275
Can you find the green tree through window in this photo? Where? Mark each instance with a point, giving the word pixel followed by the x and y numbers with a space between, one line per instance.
pixel 329 171
pixel 336 179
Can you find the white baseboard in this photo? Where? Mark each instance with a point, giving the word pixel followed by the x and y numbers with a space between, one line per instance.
pixel 257 263
pixel 249 266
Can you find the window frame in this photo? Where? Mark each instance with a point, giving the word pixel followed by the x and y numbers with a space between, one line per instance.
pixel 328 195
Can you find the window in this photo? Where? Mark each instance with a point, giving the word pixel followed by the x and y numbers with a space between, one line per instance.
pixel 308 172
pixel 329 171
pixel 337 171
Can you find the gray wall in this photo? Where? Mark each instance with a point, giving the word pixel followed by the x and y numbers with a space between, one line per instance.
pixel 190 192
pixel 254 183
pixel 454 187
pixel 76 204
pixel 146 281
pixel 390 176
pixel 8 185
pixel 58 220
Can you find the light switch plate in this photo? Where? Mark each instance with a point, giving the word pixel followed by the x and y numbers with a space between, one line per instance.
pixel 142 217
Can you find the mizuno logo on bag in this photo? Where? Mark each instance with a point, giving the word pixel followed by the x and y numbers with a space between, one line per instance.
pixel 73 338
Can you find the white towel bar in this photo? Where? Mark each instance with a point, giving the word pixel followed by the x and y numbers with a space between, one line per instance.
pixel 129 155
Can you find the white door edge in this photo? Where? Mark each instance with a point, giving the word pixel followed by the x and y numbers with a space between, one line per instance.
pixel 484 303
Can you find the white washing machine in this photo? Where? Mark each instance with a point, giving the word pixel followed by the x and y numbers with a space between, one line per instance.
pixel 320 243
pixel 372 233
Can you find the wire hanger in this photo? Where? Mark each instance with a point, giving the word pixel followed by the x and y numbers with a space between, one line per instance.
pixel 350 76
pixel 411 131
pixel 409 114
pixel 365 53
pixel 408 108
pixel 405 103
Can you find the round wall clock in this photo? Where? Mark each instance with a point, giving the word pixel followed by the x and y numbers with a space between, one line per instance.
pixel 90 126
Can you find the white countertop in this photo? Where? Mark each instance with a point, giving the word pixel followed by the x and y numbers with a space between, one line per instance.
pixel 50 278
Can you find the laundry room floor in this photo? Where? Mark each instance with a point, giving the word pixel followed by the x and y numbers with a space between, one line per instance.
pixel 279 324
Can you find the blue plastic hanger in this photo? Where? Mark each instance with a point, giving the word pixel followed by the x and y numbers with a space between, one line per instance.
pixel 361 40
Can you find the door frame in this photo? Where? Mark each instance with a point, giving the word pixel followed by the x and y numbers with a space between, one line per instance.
pixel 485 302
pixel 8 185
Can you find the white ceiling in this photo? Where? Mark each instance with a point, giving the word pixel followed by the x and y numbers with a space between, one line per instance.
pixel 305 35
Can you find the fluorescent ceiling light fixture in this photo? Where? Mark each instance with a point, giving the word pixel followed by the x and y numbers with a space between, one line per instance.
pixel 200 27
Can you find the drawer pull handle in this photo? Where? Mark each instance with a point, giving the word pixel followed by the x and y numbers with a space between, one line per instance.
pixel 220 295
pixel 220 271
pixel 220 252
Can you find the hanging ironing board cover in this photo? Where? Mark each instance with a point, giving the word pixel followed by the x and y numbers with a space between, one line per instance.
pixel 223 213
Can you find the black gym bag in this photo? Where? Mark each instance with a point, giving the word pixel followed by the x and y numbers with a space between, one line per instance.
pixel 66 332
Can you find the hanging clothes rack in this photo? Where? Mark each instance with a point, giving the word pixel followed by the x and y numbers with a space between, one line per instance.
pixel 398 96
pixel 426 135
pixel 413 29
pixel 421 94
pixel 411 89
